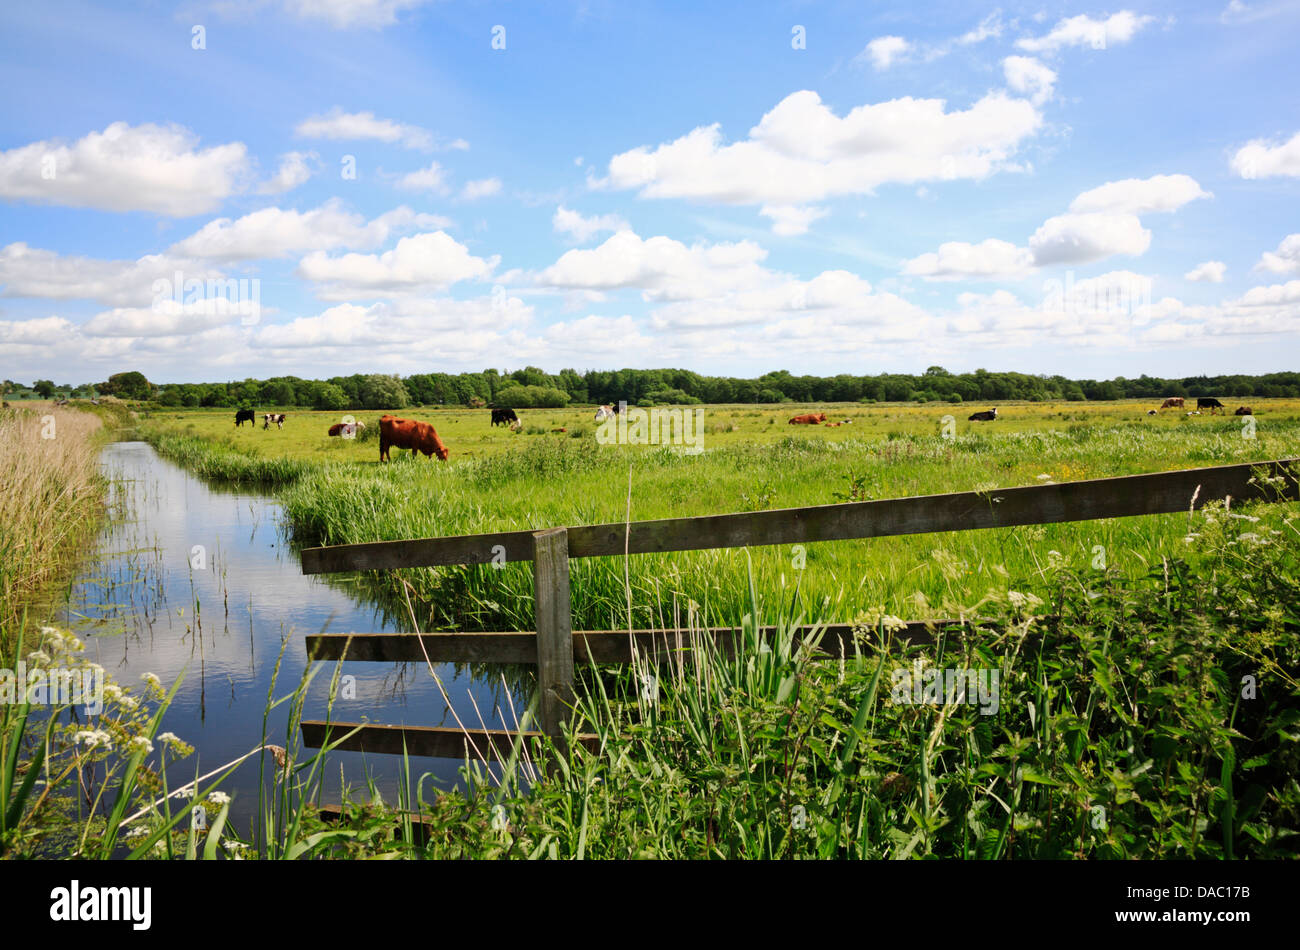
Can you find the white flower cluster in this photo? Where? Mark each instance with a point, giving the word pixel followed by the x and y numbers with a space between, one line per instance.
pixel 93 739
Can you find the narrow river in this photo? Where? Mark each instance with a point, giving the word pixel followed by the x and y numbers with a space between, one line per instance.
pixel 198 579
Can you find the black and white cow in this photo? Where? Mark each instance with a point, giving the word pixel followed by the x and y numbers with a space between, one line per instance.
pixel 276 417
pixel 988 416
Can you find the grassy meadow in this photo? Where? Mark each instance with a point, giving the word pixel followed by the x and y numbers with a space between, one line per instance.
pixel 335 491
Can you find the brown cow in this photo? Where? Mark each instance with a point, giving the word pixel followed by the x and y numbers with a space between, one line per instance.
pixel 409 434
pixel 341 428
pixel 1173 402
pixel 1243 411
pixel 832 425
pixel 810 419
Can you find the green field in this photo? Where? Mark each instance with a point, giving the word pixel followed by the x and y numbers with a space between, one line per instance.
pixel 335 491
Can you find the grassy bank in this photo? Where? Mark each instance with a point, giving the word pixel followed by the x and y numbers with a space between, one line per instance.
pixel 52 499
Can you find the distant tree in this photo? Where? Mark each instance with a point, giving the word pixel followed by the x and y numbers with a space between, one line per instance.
pixel 383 392
pixel 130 385
pixel 329 398
pixel 43 388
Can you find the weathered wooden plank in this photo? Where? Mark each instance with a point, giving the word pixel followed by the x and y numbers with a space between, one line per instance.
pixel 1125 496
pixel 554 629
pixel 432 741
pixel 599 646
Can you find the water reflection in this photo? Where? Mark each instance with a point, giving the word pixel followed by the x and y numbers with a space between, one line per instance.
pixel 196 578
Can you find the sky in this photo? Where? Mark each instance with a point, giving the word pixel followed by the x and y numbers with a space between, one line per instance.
pixel 222 189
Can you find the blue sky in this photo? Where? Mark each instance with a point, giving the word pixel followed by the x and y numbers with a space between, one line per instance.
pixel 403 186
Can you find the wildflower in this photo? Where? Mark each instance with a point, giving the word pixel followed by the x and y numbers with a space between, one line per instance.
pixel 141 743
pixel 153 681
pixel 93 739
pixel 129 703
pixel 1044 477
pixel 219 798
pixel 112 691
pixel 139 831
pixel 38 657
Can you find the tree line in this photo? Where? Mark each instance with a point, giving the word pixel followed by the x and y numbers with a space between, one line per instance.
pixel 532 387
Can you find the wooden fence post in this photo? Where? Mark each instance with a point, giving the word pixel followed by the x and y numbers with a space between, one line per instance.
pixel 554 628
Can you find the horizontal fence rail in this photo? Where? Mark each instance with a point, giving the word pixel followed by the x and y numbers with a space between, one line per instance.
pixel 598 646
pixel 435 741
pixel 555 648
pixel 1124 496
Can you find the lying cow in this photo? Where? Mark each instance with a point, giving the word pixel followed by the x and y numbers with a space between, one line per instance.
pixel 245 415
pixel 346 429
pixel 1173 402
pixel 809 419
pixel 605 412
pixel 988 416
pixel 276 417
pixel 1208 402
pixel 832 425
pixel 409 434
pixel 503 417
pixel 1243 411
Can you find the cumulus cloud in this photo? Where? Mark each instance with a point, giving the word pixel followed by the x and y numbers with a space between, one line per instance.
pixel 957 260
pixel 422 262
pixel 276 232
pixel 394 323
pixel 147 167
pixel 1264 159
pixel 1029 77
pixel 801 152
pixel 295 169
pixel 1141 195
pixel 1285 260
pixel 1209 271
pixel 1083 30
pixel 583 229
pixel 430 179
pixel 34 272
pixel 1080 238
pixel 358 126
pixel 482 188
pixel 884 51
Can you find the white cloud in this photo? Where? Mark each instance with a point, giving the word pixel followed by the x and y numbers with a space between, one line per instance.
pixel 142 168
pixel 1210 271
pixel 957 260
pixel 295 169
pixel 422 262
pixel 584 229
pixel 1140 195
pixel 348 126
pixel 1080 238
pixel 166 318
pixel 1238 12
pixel 884 51
pixel 789 220
pixel 1272 295
pixel 1285 260
pixel 989 27
pixel 662 268
pixel 341 14
pixel 429 179
pixel 394 324
pixel 33 272
pixel 1262 159
pixel 275 232
pixel 1029 77
pixel 801 152
pixel 1083 30
pixel 482 188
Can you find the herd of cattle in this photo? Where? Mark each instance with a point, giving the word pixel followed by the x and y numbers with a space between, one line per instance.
pixel 395 433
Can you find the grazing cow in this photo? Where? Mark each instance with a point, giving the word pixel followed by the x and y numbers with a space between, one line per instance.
pixel 984 416
pixel 409 434
pixel 605 412
pixel 346 428
pixel 276 417
pixel 1208 402
pixel 1243 411
pixel 503 417
pixel 516 426
pixel 245 415
pixel 809 419
pixel 1173 402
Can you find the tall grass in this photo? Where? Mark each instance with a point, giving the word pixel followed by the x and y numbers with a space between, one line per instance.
pixel 50 502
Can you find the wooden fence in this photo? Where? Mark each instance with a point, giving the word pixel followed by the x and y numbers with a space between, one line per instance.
pixel 555 646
